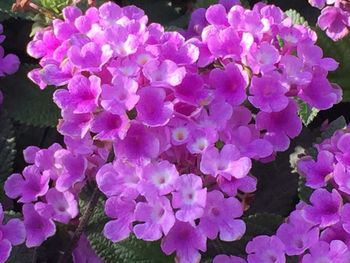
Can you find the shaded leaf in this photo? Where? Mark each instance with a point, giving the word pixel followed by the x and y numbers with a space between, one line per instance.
pixel 340 51
pixel 7 147
pixel 339 123
pixel 304 192
pixel 26 103
pixel 6 11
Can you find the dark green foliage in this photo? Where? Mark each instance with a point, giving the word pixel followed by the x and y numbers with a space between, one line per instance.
pixel 26 103
pixel 339 51
pixel 7 147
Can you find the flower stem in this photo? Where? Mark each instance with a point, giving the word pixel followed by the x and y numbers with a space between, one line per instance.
pixel 81 227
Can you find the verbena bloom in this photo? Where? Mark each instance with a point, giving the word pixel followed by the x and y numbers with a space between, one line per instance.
pixel 316 172
pixel 28 187
pixel 12 233
pixel 325 207
pixel 186 241
pixel 158 217
pixel 336 251
pixel 268 93
pixel 297 234
pixel 121 209
pixel 227 163
pixel 159 178
pixel 38 227
pixel 189 197
pixel 265 249
pixel 61 207
pixel 219 217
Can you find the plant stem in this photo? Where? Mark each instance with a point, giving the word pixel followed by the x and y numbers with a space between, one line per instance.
pixel 81 227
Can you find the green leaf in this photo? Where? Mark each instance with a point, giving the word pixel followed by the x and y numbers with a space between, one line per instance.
pixel 335 125
pixel 26 103
pixel 296 17
pixel 21 254
pixel 7 147
pixel 277 186
pixel 55 5
pixel 307 113
pixel 304 192
pixel 258 224
pixel 205 3
pixel 129 250
pixel 340 51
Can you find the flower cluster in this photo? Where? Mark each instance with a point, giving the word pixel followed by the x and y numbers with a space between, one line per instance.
pixel 317 231
pixel 185 115
pixel 9 64
pixel 48 187
pixel 334 18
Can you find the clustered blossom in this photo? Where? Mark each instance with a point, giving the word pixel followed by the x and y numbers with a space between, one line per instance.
pixel 334 18
pixel 9 63
pixel 319 230
pixel 184 113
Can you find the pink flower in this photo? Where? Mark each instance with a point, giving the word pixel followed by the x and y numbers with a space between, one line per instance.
pixel 185 240
pixel 189 197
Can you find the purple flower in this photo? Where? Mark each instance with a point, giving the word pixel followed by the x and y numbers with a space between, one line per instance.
pixel 152 109
pixel 185 240
pixel 278 130
pixel 70 169
pixel 268 93
pixel 84 253
pixel 336 251
pixel 139 142
pixel 219 217
pixel 265 249
pixel 316 172
pixel 343 145
pixel 298 234
pixel 325 207
pixel 293 70
pixel 61 207
pixel 158 217
pixel 230 84
pixel 227 163
pixel 12 233
pixel 109 126
pixel 189 197
pixel 320 93
pixel 334 21
pixel 38 227
pixel 342 177
pixel 121 209
pixel 159 178
pixel 9 64
pixel 263 58
pixel 163 73
pixel 82 94
pixel 120 96
pixel 90 56
pixel 28 187
pixel 119 179
pixel 345 217
pixel 318 3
